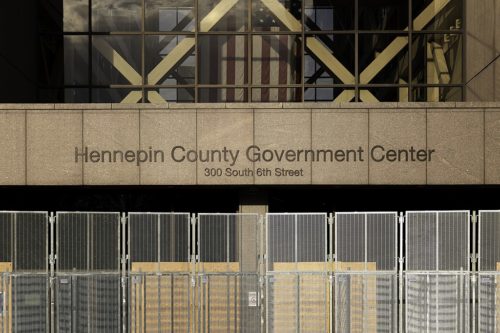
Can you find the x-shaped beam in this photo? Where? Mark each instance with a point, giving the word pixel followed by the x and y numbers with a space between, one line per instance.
pixel 323 54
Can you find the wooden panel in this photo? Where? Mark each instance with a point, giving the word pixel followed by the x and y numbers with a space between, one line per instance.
pixel 5 267
pixel 5 290
pixel 160 303
pixel 150 267
pixel 218 267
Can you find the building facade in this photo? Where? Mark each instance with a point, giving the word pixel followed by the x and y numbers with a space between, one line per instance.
pixel 250 166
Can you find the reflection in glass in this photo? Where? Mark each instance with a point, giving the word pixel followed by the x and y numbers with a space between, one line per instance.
pixel 329 15
pixel 264 19
pixel 116 60
pixel 276 60
pixel 383 15
pixel 441 17
pixel 318 94
pixel 210 95
pixel 222 60
pixel 437 59
pixel 392 67
pixel 437 94
pixel 76 15
pixel 321 69
pixel 276 94
pixel 157 48
pixel 111 95
pixel 384 94
pixel 232 18
pixel 177 95
pixel 169 15
pixel 76 95
pixel 116 15
pixel 76 60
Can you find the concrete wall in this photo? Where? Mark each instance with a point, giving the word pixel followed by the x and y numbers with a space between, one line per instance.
pixel 482 46
pixel 39 142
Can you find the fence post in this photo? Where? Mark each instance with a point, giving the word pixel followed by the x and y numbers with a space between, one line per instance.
pixel 401 262
pixel 52 281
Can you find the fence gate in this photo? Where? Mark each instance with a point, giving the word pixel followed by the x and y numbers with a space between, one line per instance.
pixel 437 271
pixel 24 279
pixel 489 272
pixel 227 292
pixel 87 280
pixel 159 281
pixel 365 292
pixel 297 279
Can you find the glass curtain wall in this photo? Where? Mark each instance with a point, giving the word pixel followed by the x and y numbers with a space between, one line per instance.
pixel 134 51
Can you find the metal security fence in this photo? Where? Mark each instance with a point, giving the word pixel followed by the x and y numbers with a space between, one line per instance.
pixel 24 275
pixel 489 272
pixel 437 271
pixel 366 293
pixel 310 272
pixel 87 278
pixel 227 279
pixel 159 265
pixel 297 279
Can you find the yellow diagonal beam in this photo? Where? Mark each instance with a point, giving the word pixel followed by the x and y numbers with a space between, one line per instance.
pixel 327 58
pixel 155 97
pixel 187 44
pixel 440 63
pixel 400 42
pixel 172 59
pixel 345 96
pixel 132 97
pixel 216 14
pixel 283 15
pixel 117 61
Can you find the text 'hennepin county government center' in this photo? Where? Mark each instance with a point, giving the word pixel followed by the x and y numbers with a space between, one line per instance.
pixel 249 166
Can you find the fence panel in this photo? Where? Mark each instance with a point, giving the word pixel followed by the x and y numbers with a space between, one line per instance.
pixel 437 277
pixel 227 273
pixel 88 291
pixel 437 302
pixel 366 272
pixel 489 271
pixel 24 240
pixel 297 277
pixel 159 281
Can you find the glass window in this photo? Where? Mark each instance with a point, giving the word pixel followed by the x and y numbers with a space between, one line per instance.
pixel 169 15
pixel 329 15
pixel 76 15
pixel 383 58
pixel 217 15
pixel 253 50
pixel 162 69
pixel 437 59
pixel 223 60
pixel 276 60
pixel 277 15
pixel 76 60
pixel 116 60
pixel 116 15
pixel 383 15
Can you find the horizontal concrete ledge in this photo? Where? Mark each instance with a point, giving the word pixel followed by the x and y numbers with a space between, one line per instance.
pixel 305 105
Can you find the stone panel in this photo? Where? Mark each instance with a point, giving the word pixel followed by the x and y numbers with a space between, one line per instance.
pixel 163 130
pixel 277 130
pixel 227 132
pixel 51 142
pixel 492 147
pixel 116 130
pixel 399 131
pixel 457 138
pixel 12 149
pixel 339 129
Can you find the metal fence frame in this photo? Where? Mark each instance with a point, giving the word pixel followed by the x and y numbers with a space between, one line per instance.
pixel 472 279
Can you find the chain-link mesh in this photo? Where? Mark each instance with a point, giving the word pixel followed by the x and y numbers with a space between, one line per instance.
pixel 437 303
